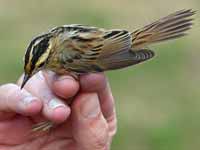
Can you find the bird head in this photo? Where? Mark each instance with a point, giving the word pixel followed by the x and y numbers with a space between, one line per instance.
pixel 36 56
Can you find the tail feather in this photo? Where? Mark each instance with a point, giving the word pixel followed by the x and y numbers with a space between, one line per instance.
pixel 134 52
pixel 170 27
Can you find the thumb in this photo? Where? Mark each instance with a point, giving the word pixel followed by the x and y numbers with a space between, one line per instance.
pixel 90 128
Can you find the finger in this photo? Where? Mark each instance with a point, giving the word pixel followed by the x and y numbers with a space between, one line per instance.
pixel 94 82
pixel 54 108
pixel 98 83
pixel 108 108
pixel 64 86
pixel 13 99
pixel 89 127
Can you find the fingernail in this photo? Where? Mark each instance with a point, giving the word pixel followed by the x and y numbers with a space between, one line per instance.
pixel 28 100
pixel 60 78
pixel 90 106
pixel 55 103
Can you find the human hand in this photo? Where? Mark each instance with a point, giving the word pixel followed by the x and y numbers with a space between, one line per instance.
pixel 90 121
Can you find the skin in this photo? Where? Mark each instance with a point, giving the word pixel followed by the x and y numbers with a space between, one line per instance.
pixel 89 123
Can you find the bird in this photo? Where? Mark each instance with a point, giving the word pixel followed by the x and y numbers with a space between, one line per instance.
pixel 80 49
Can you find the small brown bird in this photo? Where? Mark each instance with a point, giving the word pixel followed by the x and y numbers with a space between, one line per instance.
pixel 78 49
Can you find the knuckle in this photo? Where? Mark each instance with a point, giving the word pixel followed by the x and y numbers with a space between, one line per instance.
pixel 100 144
pixel 8 85
pixel 101 81
pixel 112 125
pixel 8 90
pixel 100 137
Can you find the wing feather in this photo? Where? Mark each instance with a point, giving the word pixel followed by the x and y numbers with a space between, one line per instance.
pixel 99 50
pixel 99 44
pixel 115 41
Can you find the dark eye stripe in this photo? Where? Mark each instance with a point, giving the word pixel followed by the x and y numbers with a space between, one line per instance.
pixel 39 50
pixel 28 51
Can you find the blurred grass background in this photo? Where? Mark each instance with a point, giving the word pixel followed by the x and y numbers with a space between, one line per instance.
pixel 158 102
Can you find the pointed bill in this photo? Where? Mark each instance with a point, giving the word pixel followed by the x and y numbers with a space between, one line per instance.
pixel 26 78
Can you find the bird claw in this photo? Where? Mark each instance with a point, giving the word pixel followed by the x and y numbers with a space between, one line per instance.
pixel 42 126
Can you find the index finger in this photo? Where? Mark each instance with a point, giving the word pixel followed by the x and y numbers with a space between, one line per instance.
pixel 54 108
pixel 63 86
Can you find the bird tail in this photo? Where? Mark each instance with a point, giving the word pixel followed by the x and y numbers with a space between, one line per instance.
pixel 170 27
pixel 173 26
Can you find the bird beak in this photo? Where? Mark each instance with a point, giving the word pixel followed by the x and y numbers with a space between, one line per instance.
pixel 26 78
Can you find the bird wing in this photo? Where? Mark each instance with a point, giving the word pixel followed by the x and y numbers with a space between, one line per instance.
pixel 93 49
pixel 117 51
